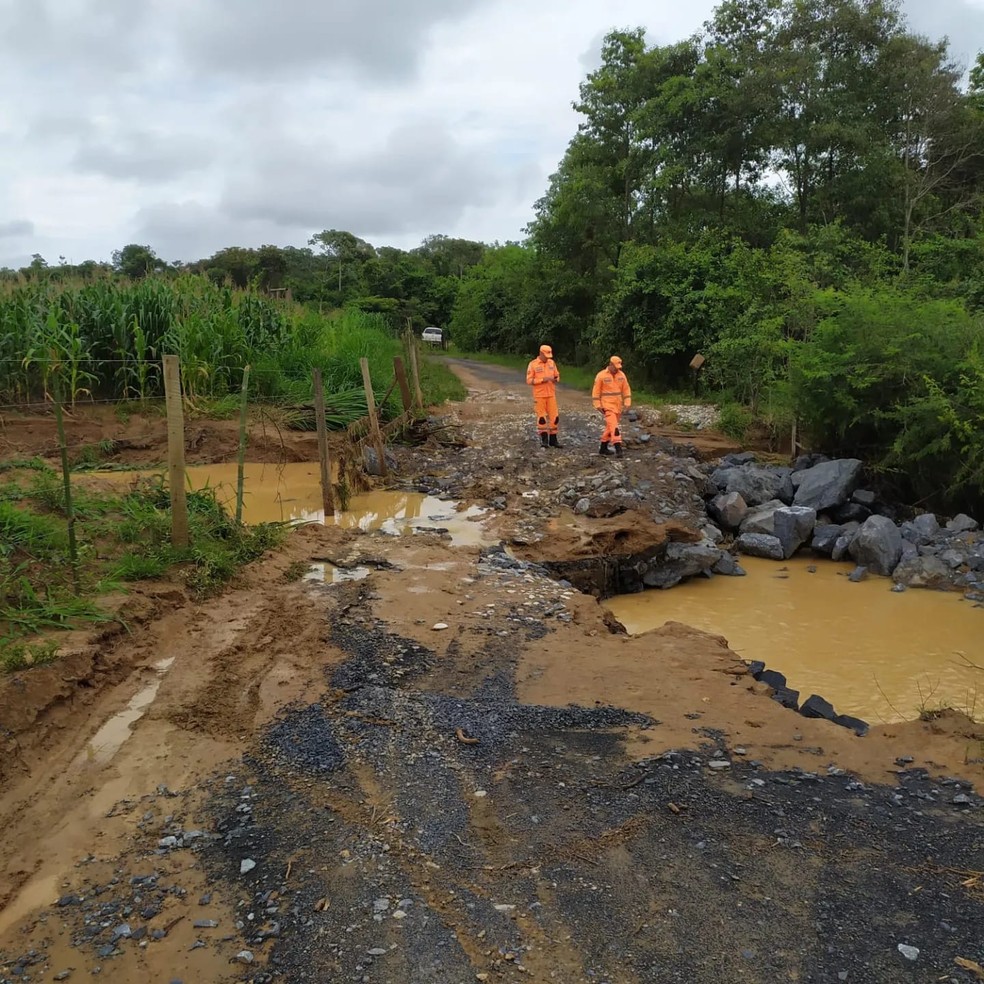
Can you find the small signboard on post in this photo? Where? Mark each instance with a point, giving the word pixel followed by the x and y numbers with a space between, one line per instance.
pixel 696 365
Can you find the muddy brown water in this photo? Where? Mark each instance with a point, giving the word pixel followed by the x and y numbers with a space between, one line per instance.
pixel 872 653
pixel 291 493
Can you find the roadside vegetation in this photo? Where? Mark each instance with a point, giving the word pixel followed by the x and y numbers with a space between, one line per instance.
pixel 104 341
pixel 123 537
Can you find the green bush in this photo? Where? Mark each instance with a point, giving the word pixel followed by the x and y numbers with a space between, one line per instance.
pixel 735 421
pixel 891 377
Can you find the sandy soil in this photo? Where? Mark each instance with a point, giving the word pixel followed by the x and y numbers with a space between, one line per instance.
pixel 299 725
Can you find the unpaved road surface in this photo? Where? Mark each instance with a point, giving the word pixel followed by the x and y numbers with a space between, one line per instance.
pixel 459 769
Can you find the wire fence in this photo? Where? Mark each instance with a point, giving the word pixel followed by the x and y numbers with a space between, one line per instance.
pixel 367 429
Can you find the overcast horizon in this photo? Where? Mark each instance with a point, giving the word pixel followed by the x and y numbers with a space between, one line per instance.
pixel 163 122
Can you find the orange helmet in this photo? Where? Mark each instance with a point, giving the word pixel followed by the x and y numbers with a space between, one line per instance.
pixel 615 361
pixel 546 351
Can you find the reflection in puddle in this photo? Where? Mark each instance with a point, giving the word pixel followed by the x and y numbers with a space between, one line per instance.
pixel 38 893
pixel 871 652
pixel 291 493
pixel 108 740
pixel 330 574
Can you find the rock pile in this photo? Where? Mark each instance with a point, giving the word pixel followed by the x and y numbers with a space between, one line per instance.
pixel 773 511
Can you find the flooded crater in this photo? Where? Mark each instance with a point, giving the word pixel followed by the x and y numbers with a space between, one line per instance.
pixel 873 653
pixel 291 493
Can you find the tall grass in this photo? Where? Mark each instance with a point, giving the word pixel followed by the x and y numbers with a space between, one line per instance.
pixel 106 340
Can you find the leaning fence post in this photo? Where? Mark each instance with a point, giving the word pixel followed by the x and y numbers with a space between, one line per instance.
pixel 377 436
pixel 73 550
pixel 401 378
pixel 175 450
pixel 327 497
pixel 415 369
pixel 241 472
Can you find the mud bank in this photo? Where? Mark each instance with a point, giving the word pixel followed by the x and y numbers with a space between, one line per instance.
pixel 607 556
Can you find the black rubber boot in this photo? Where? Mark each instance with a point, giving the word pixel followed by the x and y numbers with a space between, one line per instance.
pixel 604 449
pixel 554 443
pixel 544 440
pixel 618 450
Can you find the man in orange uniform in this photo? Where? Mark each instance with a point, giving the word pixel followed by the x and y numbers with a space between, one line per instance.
pixel 611 395
pixel 542 374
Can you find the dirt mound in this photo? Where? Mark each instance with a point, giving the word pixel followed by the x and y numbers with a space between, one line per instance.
pixel 98 435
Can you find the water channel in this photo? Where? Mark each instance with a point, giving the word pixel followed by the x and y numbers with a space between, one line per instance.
pixel 872 653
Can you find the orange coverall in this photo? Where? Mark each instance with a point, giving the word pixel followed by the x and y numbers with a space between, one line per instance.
pixel 611 395
pixel 543 376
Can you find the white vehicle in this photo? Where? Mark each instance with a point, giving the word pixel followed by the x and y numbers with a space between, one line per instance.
pixel 433 336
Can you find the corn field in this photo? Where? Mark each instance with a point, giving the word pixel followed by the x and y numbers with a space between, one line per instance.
pixel 105 340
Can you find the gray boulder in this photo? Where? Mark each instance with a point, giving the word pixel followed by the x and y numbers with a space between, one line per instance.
pixel 739 458
pixel 682 560
pixel 793 526
pixel 850 512
pixel 370 461
pixel 878 546
pixel 824 538
pixel 828 484
pixel 805 461
pixel 816 707
pixel 761 519
pixel 921 530
pixel 952 558
pixel 761 545
pixel 962 524
pixel 864 498
pixel 755 483
pixel 728 510
pixel 728 566
pixel 923 572
pixel 843 543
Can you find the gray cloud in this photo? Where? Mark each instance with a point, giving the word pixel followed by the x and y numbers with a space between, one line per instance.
pixel 420 178
pixel 190 229
pixel 16 227
pixel 95 36
pixel 382 40
pixel 142 156
pixel 959 20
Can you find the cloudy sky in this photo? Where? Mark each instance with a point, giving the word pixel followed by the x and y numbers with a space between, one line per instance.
pixel 190 125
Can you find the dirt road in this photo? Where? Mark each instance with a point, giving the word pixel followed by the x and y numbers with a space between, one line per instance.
pixel 458 769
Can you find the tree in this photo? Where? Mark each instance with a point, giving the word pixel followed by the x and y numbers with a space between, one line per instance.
pixel 343 255
pixel 449 257
pixel 135 261
pixel 938 135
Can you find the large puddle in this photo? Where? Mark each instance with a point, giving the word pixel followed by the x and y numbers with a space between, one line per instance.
pixel 875 654
pixel 291 493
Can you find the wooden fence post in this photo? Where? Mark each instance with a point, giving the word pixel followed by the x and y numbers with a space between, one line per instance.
pixel 175 451
pixel 241 472
pixel 404 384
pixel 377 437
pixel 73 550
pixel 415 369
pixel 327 495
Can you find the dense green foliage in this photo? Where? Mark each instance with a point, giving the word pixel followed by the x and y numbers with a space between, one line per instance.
pixel 105 340
pixel 335 270
pixel 122 538
pixel 796 194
